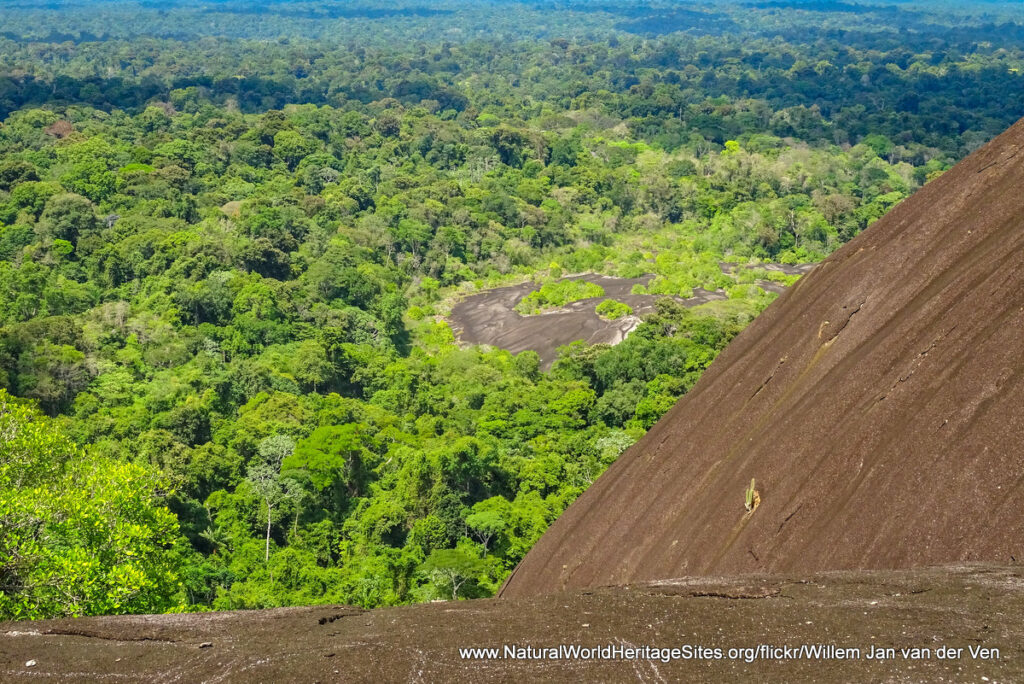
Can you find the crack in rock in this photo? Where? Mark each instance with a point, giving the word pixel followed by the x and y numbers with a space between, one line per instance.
pixel 736 596
pixel 770 376
pixel 786 520
pixel 845 323
pixel 104 637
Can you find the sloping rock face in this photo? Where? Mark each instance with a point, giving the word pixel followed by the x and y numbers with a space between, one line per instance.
pixel 878 403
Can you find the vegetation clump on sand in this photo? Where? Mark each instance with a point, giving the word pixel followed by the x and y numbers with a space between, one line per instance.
pixel 612 310
pixel 751 497
pixel 555 294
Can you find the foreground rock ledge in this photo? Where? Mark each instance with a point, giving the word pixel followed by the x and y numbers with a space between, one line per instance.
pixel 953 606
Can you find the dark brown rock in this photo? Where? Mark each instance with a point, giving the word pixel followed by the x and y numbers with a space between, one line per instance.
pixel 956 607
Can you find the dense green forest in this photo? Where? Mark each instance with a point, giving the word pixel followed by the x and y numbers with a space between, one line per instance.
pixel 229 240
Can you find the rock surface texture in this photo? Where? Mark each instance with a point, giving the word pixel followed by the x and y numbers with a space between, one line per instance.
pixel 953 607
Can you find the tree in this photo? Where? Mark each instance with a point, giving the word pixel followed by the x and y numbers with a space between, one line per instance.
pixel 527 364
pixel 389 124
pixel 485 522
pixel 53 374
pixel 266 482
pixel 265 478
pixel 67 217
pixel 274 449
pixel 452 568
pixel 292 147
pixel 334 454
pixel 79 535
pixel 15 171
pixel 311 364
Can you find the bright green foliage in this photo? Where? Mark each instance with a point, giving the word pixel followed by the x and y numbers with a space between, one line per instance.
pixel 612 310
pixel 336 454
pixel 554 294
pixel 451 570
pixel 78 536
